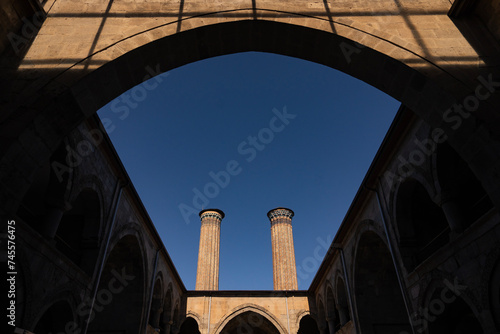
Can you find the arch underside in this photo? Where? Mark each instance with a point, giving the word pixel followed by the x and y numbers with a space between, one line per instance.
pixel 70 96
pixel 380 304
pixel 249 318
pixel 396 76
pixel 249 322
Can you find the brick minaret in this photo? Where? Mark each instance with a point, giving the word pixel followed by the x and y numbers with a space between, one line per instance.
pixel 284 271
pixel 207 275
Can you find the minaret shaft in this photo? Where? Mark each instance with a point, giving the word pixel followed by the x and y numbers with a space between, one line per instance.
pixel 284 270
pixel 207 274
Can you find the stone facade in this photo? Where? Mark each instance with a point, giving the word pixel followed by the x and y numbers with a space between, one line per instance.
pixel 103 258
pixel 401 259
pixel 215 312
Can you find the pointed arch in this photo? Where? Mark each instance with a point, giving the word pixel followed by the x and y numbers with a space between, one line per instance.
pixel 176 318
pixel 300 315
pixel 421 223
pixel 379 302
pixel 321 317
pixel 462 193
pixel 121 289
pixel 332 315
pixel 189 326
pixel 343 304
pixel 155 308
pixel 166 317
pixel 46 198
pixel 78 232
pixel 250 309
pixel 391 67
pixel 308 325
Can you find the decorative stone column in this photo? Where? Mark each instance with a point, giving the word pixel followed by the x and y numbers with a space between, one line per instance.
pixel 284 270
pixel 207 274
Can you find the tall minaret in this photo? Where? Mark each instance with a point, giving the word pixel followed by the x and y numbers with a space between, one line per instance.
pixel 284 271
pixel 207 275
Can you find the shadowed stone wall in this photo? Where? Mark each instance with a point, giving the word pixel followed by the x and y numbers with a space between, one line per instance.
pixel 441 61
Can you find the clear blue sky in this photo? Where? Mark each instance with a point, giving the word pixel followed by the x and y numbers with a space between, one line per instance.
pixel 199 118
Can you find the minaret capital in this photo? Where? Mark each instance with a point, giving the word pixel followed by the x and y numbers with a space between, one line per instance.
pixel 280 212
pixel 212 213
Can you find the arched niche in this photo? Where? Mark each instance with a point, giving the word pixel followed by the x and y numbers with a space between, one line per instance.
pixel 250 322
pixel 463 197
pixel 421 223
pixel 45 200
pixel 332 315
pixel 321 318
pixel 119 301
pixel 77 235
pixel 308 325
pixel 166 316
pixel 342 303
pixel 189 326
pixel 156 308
pixel 380 304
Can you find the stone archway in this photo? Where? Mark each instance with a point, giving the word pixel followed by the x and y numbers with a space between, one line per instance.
pixel 379 303
pixel 422 224
pixel 166 316
pixel 463 197
pixel 250 322
pixel 77 234
pixel 321 317
pixel 155 308
pixel 249 317
pixel 343 307
pixel 78 84
pixel 332 315
pixel 119 300
pixel 189 326
pixel 308 325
